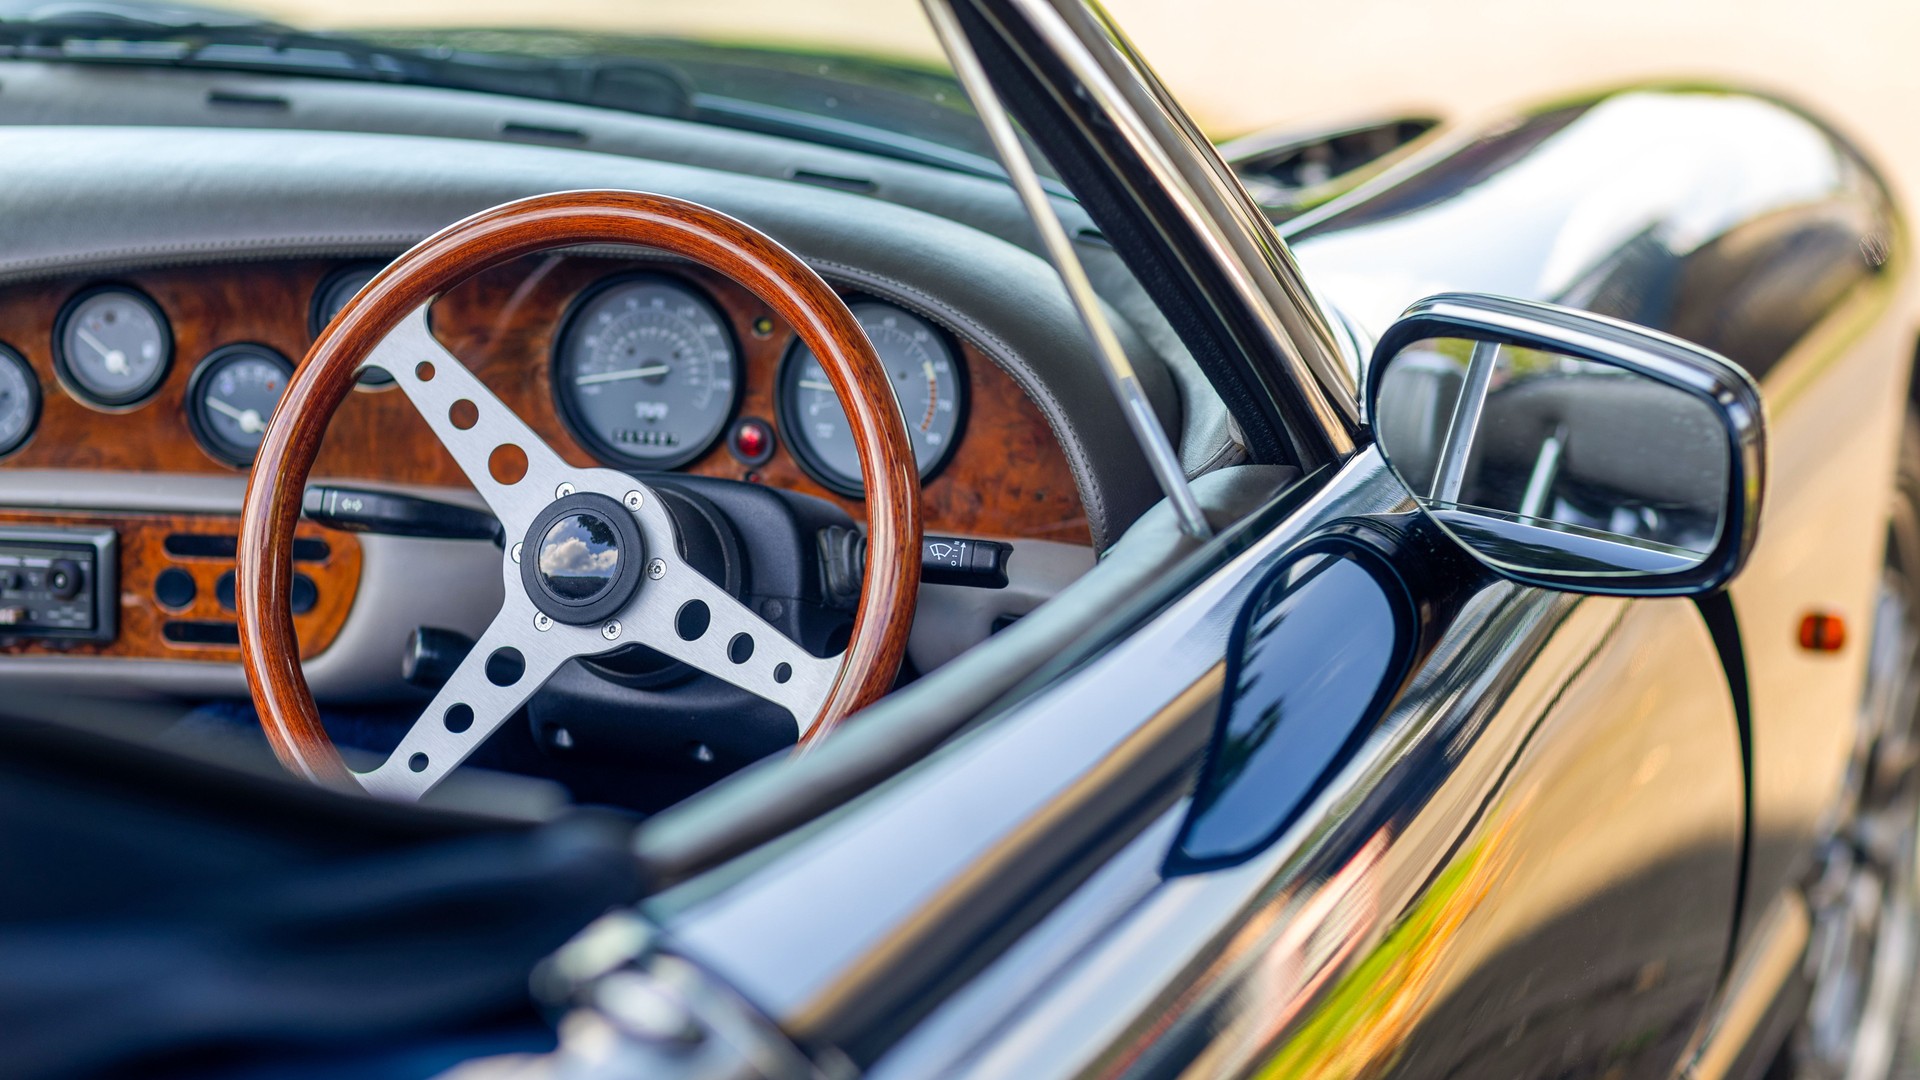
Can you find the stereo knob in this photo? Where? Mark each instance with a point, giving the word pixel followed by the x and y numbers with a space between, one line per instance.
pixel 63 579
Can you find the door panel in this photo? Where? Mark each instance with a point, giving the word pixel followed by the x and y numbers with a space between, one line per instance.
pixel 1580 925
pixel 1529 869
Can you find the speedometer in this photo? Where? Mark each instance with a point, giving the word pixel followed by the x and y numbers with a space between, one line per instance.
pixel 645 371
pixel 927 381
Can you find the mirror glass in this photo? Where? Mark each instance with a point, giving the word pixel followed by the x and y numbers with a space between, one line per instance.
pixel 1549 463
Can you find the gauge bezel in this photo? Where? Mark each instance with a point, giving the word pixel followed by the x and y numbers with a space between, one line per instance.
pixel 577 425
pixel 203 430
pixel 372 380
pixel 11 355
pixel 71 383
pixel 806 457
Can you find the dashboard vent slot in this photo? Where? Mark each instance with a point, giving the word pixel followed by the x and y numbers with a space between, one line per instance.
pixel 859 185
pixel 227 546
pixel 540 133
pixel 201 632
pixel 236 99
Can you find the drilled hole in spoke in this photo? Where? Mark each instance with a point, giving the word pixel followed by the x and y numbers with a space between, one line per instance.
pixel 740 649
pixel 423 371
pixel 507 464
pixel 464 414
pixel 418 763
pixel 692 622
pixel 459 717
pixel 782 672
pixel 505 666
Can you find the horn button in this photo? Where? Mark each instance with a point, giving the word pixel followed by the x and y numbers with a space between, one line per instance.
pixel 581 559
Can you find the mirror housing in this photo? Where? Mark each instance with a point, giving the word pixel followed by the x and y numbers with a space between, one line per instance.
pixel 1572 451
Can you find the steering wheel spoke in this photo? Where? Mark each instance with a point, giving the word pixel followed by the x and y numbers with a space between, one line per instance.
pixel 486 439
pixel 686 616
pixel 511 661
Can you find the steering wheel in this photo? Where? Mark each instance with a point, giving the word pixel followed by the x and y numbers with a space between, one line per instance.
pixel 591 561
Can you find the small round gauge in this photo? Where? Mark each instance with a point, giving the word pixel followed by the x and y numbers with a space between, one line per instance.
pixel 646 372
pixel 335 290
pixel 230 398
pixel 111 347
pixel 927 380
pixel 19 401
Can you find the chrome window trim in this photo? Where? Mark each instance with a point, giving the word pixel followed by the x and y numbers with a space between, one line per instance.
pixel 1213 205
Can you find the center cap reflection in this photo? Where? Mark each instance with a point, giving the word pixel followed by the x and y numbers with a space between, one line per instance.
pixel 579 557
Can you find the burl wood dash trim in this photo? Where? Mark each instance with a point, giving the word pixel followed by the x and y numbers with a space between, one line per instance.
pixel 143 557
pixel 1007 477
pixel 324 380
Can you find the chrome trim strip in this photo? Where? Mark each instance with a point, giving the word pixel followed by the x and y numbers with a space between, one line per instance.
pixel 1212 203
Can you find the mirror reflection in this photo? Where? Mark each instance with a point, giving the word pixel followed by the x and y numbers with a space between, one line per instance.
pixel 1547 462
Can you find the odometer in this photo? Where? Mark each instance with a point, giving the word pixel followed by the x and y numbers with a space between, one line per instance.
pixel 926 379
pixel 646 372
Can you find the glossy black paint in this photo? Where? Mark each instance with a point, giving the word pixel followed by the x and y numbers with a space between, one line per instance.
pixel 1745 270
pixel 1741 224
pixel 1311 664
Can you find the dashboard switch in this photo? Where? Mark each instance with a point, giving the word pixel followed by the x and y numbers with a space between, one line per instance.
pixel 944 560
pixel 954 560
pixel 174 588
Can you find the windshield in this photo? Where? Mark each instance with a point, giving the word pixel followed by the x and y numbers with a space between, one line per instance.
pixel 863 75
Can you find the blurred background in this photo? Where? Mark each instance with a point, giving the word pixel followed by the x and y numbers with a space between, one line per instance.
pixel 1244 65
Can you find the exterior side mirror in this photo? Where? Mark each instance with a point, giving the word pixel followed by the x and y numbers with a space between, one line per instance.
pixel 1572 451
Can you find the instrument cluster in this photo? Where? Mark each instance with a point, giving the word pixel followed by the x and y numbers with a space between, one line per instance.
pixel 646 369
pixel 647 373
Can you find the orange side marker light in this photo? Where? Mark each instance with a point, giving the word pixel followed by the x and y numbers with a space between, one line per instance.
pixel 1821 632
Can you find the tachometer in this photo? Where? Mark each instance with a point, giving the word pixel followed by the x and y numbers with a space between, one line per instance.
pixel 646 372
pixel 111 346
pixel 927 380
pixel 231 396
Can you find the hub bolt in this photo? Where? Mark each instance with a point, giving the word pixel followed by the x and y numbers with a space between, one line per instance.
pixel 541 622
pixel 563 491
pixel 516 551
pixel 657 569
pixel 633 501
pixel 611 631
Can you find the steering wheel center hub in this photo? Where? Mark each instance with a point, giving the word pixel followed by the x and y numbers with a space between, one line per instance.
pixel 581 559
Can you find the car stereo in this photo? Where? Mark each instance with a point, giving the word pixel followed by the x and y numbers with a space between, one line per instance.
pixel 57 584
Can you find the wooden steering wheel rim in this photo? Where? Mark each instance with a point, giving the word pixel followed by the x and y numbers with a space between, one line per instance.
pixel 268 648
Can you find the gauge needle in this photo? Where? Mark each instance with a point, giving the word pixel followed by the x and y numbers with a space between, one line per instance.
pixel 116 360
pixel 816 384
pixel 615 376
pixel 248 419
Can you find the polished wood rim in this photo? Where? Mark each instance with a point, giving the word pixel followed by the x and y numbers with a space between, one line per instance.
pixel 268 647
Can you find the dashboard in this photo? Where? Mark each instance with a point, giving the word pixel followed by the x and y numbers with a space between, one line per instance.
pixel 631 362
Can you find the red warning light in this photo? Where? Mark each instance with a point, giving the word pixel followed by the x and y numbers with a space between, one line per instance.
pixel 751 440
